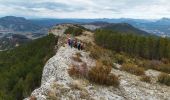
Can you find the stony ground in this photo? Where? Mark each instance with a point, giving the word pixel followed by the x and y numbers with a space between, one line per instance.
pixel 58 85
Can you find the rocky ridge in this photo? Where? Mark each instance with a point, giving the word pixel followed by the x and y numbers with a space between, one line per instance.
pixel 56 84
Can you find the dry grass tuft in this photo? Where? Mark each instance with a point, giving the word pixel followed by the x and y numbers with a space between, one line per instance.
pixel 84 95
pixel 78 54
pixel 78 70
pixel 164 79
pixel 101 74
pixel 157 65
pixel 112 80
pixel 76 84
pixel 33 98
pixel 76 58
pixel 165 61
pixel 83 70
pixel 73 71
pixel 145 78
pixel 132 69
pixel 95 52
pixel 52 95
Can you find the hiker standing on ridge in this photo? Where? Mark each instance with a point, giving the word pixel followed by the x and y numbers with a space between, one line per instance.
pixel 75 43
pixel 78 45
pixel 69 41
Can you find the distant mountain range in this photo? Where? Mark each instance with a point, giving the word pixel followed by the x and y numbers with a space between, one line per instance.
pixel 18 24
pixel 125 28
pixel 118 27
pixel 22 26
pixel 10 24
pixel 159 27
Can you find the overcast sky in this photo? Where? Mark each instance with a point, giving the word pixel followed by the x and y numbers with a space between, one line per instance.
pixel 139 9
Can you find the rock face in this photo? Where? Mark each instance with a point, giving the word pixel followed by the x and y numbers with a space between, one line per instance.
pixel 56 83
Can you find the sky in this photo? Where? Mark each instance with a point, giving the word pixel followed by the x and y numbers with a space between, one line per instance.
pixel 138 9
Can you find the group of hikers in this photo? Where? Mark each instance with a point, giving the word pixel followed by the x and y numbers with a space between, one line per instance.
pixel 72 42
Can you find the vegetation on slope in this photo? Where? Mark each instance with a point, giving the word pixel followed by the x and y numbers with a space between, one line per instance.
pixel 164 79
pixel 21 68
pixel 135 53
pixel 99 74
pixel 75 31
pixel 147 47
pixel 7 43
pixel 132 69
pixel 125 28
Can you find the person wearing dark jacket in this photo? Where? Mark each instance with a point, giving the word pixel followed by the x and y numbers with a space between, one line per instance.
pixel 78 45
pixel 69 41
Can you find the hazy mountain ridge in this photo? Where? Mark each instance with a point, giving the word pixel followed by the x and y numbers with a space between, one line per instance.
pixel 118 27
pixel 125 28
pixel 11 23
pixel 159 27
pixel 18 24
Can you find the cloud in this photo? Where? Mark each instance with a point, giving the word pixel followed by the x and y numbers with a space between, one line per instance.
pixel 148 9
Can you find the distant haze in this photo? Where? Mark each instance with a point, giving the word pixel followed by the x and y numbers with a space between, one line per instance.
pixel 138 9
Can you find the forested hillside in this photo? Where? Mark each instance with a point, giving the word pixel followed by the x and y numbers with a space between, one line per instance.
pixel 125 28
pixel 21 68
pixel 149 47
pixel 8 42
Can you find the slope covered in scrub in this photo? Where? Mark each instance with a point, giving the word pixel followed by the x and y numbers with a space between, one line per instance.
pixel 21 67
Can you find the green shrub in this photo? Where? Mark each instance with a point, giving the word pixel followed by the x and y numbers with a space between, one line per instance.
pixel 164 79
pixel 120 59
pixel 75 31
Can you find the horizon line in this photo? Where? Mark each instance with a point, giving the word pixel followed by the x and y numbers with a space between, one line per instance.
pixel 84 18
